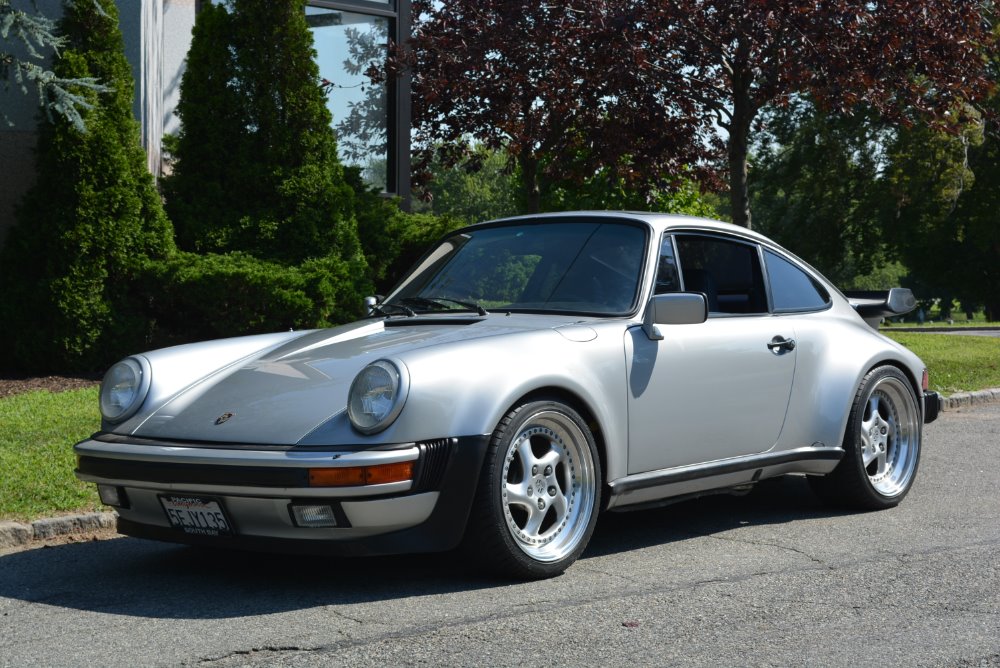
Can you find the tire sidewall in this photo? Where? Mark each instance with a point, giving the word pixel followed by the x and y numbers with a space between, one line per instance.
pixel 493 482
pixel 852 438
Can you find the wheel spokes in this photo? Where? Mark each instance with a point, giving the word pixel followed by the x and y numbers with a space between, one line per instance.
pixel 540 492
pixel 517 494
pixel 549 486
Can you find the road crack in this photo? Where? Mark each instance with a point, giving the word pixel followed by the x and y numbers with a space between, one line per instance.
pixel 266 649
pixel 764 543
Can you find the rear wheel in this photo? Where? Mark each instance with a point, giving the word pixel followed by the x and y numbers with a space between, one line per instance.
pixel 881 445
pixel 535 507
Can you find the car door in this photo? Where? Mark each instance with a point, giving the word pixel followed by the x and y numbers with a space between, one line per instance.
pixel 717 389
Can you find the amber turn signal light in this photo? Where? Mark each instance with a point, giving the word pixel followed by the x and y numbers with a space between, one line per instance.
pixel 353 476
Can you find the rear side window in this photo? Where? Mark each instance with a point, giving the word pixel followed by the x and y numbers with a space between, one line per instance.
pixel 791 288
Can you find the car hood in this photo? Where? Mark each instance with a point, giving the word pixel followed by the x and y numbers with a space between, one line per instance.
pixel 286 392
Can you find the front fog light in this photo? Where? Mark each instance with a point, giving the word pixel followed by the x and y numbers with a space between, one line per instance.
pixel 112 496
pixel 314 516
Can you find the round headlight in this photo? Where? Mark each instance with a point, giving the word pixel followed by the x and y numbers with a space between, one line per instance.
pixel 377 395
pixel 123 389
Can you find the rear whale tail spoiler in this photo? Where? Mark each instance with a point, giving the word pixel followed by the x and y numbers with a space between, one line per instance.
pixel 873 305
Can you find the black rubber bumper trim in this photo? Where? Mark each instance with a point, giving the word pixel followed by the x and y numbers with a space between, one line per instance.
pixel 932 406
pixel 193 474
pixel 443 530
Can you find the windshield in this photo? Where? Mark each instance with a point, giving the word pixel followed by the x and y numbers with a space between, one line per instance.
pixel 590 267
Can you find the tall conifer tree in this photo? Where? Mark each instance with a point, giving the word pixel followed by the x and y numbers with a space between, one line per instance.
pixel 90 221
pixel 256 167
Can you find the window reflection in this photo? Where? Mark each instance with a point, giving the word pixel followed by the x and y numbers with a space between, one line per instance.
pixel 347 44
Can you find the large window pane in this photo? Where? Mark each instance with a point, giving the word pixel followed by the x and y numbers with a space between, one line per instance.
pixel 584 267
pixel 347 44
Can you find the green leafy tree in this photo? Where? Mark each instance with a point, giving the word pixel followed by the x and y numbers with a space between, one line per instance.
pixel 554 85
pixel 654 80
pixel 485 185
pixel 38 38
pixel 481 186
pixel 609 189
pixel 392 239
pixel 978 233
pixel 926 177
pixel 90 222
pixel 255 164
pixel 729 59
pixel 945 195
pixel 818 189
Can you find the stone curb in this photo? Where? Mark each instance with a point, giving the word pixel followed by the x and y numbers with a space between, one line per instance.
pixel 936 329
pixel 966 399
pixel 15 534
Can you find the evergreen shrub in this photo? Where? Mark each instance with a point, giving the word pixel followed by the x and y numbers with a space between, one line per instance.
pixel 255 163
pixel 191 297
pixel 89 223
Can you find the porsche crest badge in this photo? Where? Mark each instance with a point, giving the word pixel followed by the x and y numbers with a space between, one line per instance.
pixel 223 418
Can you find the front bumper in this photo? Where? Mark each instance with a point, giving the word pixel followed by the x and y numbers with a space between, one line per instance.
pixel 932 406
pixel 256 487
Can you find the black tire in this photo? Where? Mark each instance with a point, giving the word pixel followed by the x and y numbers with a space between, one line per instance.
pixel 538 495
pixel 881 445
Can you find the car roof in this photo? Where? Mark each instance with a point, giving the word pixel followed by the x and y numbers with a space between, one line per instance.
pixel 660 222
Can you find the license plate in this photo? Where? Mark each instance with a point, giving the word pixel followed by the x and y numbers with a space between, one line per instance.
pixel 196 515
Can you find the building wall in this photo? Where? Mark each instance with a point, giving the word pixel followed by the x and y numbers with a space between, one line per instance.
pixel 156 34
pixel 17 141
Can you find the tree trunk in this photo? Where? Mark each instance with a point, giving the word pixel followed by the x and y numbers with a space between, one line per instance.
pixel 993 310
pixel 739 132
pixel 529 181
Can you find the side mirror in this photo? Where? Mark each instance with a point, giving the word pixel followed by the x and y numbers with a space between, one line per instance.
pixel 674 308
pixel 370 303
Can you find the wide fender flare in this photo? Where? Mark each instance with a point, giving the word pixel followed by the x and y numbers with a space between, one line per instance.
pixel 467 388
pixel 832 361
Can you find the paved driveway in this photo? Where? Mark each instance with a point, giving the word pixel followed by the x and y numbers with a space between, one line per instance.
pixel 768 579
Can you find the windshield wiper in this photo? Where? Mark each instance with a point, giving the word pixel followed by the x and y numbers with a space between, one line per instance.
pixel 380 309
pixel 436 301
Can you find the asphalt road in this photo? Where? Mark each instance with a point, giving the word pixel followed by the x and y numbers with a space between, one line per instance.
pixel 768 579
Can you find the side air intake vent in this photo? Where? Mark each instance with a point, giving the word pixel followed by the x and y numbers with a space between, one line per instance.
pixel 433 462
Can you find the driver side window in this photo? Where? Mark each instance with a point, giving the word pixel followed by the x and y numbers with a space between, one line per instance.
pixel 726 271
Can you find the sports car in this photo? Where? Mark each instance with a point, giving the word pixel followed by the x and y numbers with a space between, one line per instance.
pixel 525 376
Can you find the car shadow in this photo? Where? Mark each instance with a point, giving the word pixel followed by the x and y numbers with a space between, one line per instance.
pixel 140 578
pixel 774 501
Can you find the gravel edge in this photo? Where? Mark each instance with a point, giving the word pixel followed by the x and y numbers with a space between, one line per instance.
pixel 16 535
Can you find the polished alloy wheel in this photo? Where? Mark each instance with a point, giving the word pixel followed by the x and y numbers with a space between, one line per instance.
pixel 889 436
pixel 548 486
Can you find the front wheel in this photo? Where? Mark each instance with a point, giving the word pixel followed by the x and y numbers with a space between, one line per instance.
pixel 881 445
pixel 536 504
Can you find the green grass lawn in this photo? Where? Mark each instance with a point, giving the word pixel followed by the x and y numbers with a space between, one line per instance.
pixel 955 363
pixel 37 433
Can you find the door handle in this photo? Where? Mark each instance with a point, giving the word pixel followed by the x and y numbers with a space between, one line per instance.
pixel 778 344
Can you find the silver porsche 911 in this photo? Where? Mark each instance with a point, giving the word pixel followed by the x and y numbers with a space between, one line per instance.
pixel 526 375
